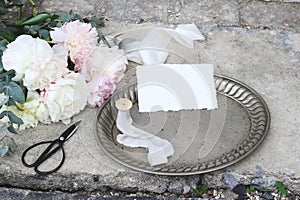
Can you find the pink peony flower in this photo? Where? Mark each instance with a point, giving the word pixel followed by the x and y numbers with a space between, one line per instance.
pixel 100 89
pixel 104 61
pixel 79 40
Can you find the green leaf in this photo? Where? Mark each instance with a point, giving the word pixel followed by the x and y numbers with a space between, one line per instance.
pixel 262 189
pixel 201 189
pixel 12 102
pixel 197 192
pixel 4 113
pixel 2 3
pixel 1 66
pixel 100 35
pixel 13 118
pixel 12 130
pixel 65 17
pixel 4 127
pixel 281 188
pixel 93 24
pixel 37 19
pixel 13 142
pixel 36 27
pixel 44 33
pixel 278 184
pixel 250 189
pixel 16 92
pixel 78 17
pixel 105 41
pixel 97 21
pixel 283 192
pixel 4 150
pixel 58 24
pixel 7 36
pixel 3 45
pixel 5 100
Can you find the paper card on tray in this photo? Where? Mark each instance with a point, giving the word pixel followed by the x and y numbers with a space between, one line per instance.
pixel 174 87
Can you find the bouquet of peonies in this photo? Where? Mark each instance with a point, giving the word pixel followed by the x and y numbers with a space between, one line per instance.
pixel 56 91
pixel 53 69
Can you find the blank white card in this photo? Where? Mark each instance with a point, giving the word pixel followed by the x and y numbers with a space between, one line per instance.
pixel 174 87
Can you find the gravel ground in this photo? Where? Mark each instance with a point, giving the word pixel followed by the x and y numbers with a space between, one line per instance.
pixel 238 193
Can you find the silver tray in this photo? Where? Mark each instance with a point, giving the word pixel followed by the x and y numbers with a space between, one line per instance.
pixel 203 140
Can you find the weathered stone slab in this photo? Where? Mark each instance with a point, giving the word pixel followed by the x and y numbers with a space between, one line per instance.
pixel 266 60
pixel 273 15
pixel 208 12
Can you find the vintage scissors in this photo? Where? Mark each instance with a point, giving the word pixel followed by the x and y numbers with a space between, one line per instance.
pixel 53 147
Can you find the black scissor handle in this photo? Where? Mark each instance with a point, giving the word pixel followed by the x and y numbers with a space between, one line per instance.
pixel 28 149
pixel 53 170
pixel 47 153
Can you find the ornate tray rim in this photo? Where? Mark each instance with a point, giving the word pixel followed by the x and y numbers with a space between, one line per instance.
pixel 223 88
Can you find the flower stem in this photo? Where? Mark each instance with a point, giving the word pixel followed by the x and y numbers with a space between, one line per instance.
pixel 19 14
pixel 33 7
pixel 3 38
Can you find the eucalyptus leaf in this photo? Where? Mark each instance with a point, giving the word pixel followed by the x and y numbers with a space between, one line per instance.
pixel 4 127
pixel 93 24
pixel 16 92
pixel 105 41
pixel 4 113
pixel 3 46
pixel 78 17
pixel 97 21
pixel 36 27
pixel 2 3
pixel 44 33
pixel 12 102
pixel 32 32
pixel 100 35
pixel 4 150
pixel 13 142
pixel 1 66
pixel 7 76
pixel 58 24
pixel 65 17
pixel 47 21
pixel 13 118
pixel 5 100
pixel 12 130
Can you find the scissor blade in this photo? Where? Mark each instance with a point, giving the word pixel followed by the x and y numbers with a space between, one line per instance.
pixel 70 131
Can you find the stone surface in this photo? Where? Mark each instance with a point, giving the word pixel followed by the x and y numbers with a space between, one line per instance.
pixel 267 60
pixel 13 194
pixel 262 59
pixel 272 15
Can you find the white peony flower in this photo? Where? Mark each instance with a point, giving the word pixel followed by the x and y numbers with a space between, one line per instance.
pixel 66 97
pixel 29 115
pixel 42 78
pixel 34 61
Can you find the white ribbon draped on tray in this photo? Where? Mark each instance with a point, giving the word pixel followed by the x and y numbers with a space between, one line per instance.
pixel 153 50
